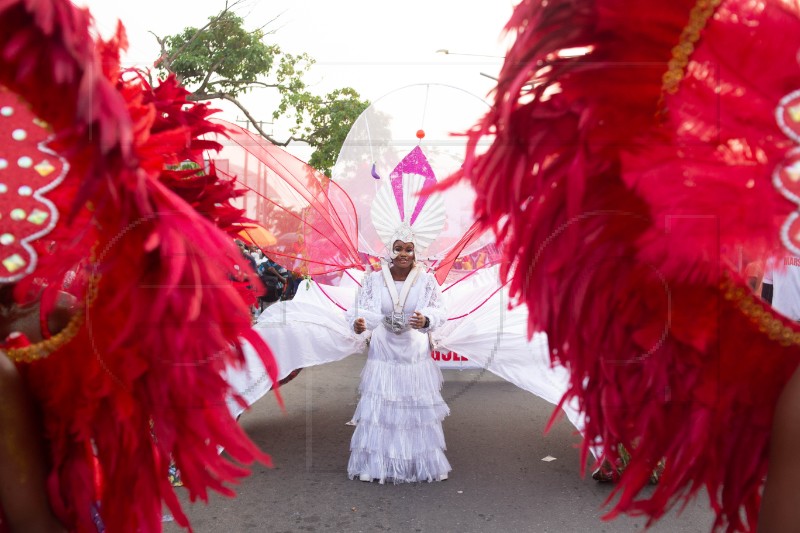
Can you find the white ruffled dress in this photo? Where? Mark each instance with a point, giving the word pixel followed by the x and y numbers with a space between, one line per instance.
pixel 401 409
pixel 398 434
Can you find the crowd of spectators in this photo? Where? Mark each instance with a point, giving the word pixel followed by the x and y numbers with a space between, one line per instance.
pixel 275 282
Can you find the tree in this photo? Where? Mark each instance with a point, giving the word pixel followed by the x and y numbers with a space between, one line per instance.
pixel 223 60
pixel 339 107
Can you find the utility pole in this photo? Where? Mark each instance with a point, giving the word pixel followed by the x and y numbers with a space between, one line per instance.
pixel 260 185
pixel 260 124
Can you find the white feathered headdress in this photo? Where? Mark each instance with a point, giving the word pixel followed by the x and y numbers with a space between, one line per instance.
pixel 399 212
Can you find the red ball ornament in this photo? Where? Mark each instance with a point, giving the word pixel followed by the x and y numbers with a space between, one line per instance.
pixel 420 134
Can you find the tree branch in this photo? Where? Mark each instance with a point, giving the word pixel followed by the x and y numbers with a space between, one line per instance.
pixel 263 26
pixel 228 7
pixel 225 96
pixel 163 59
pixel 211 70
pixel 241 85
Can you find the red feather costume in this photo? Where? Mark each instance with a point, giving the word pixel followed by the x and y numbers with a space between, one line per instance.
pixel 135 380
pixel 635 149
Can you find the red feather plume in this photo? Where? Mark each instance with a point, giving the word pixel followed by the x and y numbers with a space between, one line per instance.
pixel 619 206
pixel 141 383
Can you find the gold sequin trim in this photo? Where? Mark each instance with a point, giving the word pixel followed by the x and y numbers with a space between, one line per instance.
pixel 40 350
pixel 760 314
pixel 701 12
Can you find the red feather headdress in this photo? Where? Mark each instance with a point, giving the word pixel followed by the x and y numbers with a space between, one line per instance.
pixel 136 379
pixel 635 149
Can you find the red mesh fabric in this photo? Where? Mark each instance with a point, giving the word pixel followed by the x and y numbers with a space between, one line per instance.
pixel 313 222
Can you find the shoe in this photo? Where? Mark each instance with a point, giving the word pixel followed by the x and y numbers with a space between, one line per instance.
pixel 365 477
pixel 443 477
pixel 655 476
pixel 604 475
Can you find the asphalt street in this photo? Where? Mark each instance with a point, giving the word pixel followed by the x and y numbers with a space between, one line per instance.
pixel 495 443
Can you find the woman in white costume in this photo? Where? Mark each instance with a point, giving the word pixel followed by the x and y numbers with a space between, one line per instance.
pixel 401 309
pixel 398 434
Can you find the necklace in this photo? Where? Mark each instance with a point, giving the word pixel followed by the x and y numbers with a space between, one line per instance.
pixel 397 320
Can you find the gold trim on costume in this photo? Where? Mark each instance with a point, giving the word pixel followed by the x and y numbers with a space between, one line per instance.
pixel 40 350
pixel 698 18
pixel 758 312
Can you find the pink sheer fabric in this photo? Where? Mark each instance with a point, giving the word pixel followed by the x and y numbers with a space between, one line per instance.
pixel 320 226
pixel 313 222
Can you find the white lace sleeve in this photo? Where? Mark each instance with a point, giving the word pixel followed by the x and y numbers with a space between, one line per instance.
pixel 368 302
pixel 433 303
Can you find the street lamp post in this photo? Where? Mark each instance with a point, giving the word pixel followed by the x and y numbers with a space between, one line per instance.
pixel 447 52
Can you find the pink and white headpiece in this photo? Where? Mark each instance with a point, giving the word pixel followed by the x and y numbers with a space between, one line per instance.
pixel 399 212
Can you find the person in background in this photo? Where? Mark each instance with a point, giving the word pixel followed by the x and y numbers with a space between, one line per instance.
pixel 754 273
pixel 246 253
pixel 781 285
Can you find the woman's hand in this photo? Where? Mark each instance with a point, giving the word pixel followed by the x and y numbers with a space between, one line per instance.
pixel 417 320
pixel 360 325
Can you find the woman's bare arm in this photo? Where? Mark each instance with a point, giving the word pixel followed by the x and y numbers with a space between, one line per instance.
pixel 780 507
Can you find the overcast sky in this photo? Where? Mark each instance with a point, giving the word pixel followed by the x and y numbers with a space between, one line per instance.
pixel 374 46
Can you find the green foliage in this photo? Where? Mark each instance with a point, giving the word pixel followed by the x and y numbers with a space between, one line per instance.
pixel 224 60
pixel 223 57
pixel 186 165
pixel 330 121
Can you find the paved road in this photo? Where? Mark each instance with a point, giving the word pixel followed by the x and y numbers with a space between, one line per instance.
pixel 495 445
